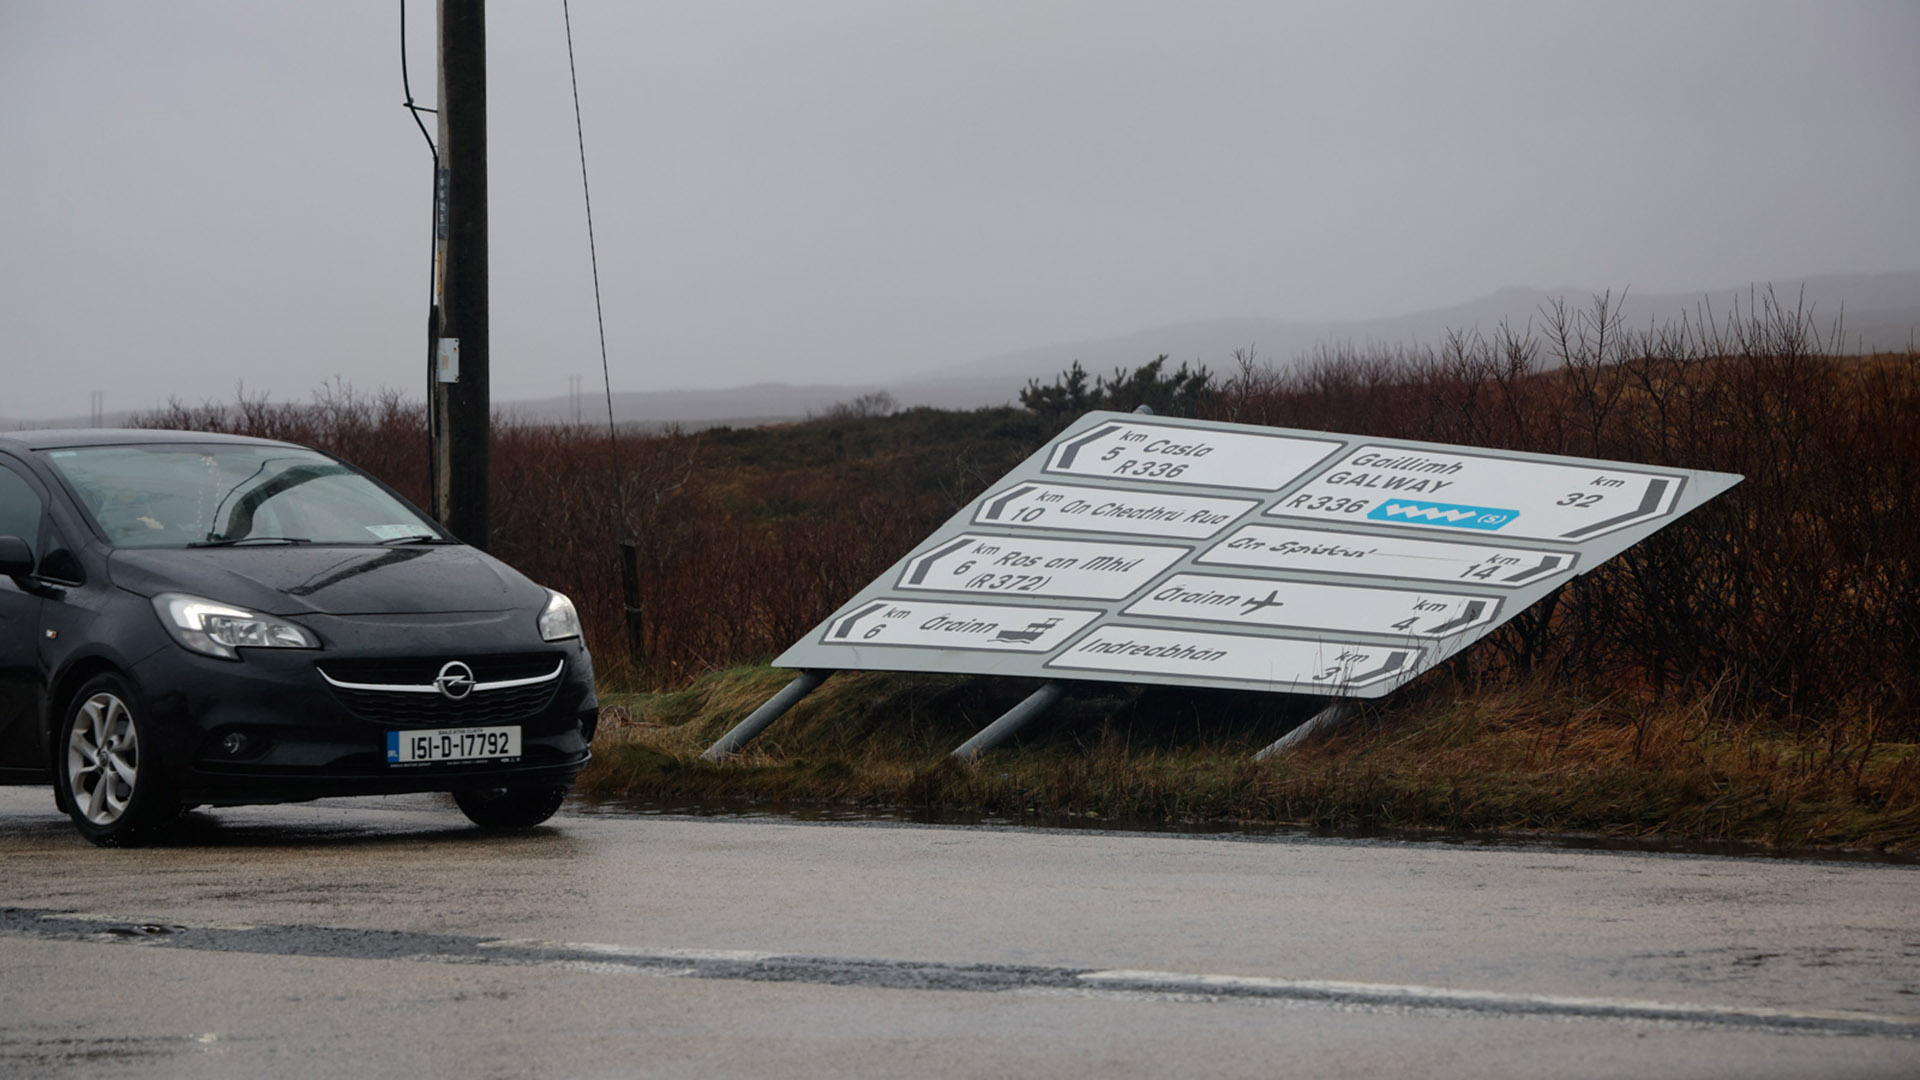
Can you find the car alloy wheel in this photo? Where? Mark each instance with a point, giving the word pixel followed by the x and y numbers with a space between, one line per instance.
pixel 112 793
pixel 103 758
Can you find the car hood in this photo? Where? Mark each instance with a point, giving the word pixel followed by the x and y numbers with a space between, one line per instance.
pixel 330 579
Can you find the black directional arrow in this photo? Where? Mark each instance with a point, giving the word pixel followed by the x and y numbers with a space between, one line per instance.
pixel 921 568
pixel 1548 563
pixel 845 626
pixel 1068 451
pixel 1656 488
pixel 996 506
pixel 1395 660
pixel 1468 618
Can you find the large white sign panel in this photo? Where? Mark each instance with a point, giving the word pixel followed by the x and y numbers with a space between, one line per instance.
pixel 1330 666
pixel 1477 493
pixel 1274 548
pixel 1307 605
pixel 1030 566
pixel 1156 452
pixel 936 625
pixel 1089 509
pixel 1151 549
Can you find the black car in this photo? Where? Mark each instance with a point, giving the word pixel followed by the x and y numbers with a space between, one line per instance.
pixel 191 619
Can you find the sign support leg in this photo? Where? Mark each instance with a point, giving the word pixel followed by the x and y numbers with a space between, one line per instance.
pixel 1014 719
pixel 1335 714
pixel 777 705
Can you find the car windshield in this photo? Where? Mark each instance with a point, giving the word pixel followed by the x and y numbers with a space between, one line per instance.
pixel 181 495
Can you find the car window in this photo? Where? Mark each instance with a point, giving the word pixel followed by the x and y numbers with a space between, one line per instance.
pixel 58 563
pixel 20 508
pixel 172 495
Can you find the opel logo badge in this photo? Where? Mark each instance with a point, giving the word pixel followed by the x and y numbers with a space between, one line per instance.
pixel 455 680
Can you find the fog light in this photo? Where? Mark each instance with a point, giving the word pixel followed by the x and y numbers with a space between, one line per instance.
pixel 235 744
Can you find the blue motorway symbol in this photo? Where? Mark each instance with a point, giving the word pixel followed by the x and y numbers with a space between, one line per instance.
pixel 1452 515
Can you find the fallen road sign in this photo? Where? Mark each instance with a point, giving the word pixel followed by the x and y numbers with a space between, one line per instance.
pixel 1150 549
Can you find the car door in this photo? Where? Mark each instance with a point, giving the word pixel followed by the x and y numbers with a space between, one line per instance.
pixel 22 514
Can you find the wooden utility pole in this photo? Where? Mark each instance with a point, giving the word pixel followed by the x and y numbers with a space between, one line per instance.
pixel 460 397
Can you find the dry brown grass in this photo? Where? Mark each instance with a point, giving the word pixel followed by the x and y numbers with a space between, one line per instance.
pixel 1749 673
pixel 1529 757
pixel 1793 599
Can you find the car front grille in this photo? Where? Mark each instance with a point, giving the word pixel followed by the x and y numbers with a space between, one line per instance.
pixel 402 692
pixel 422 670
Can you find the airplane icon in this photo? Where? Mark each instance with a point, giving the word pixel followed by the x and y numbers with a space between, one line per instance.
pixel 1272 600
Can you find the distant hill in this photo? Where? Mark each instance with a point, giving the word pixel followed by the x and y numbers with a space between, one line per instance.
pixel 740 407
pixel 1876 311
pixel 1881 311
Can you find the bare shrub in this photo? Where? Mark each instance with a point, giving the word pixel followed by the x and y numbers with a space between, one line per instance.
pixel 1186 392
pixel 877 403
pixel 1796 595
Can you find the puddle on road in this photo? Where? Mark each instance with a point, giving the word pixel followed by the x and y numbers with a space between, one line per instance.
pixel 774 810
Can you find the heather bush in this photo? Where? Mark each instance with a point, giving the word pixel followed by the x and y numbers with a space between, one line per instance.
pixel 1795 597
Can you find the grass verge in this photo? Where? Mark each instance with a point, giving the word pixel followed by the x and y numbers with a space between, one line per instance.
pixel 1532 758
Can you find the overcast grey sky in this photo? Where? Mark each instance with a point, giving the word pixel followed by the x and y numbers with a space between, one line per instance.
pixel 197 193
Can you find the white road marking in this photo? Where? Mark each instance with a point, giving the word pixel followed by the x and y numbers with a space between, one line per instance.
pixel 589 957
pixel 601 948
pixel 1394 994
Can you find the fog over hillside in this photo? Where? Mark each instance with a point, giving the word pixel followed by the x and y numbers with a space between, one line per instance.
pixel 1870 312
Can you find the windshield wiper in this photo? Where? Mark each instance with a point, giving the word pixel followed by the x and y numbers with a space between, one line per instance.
pixel 231 541
pixel 418 538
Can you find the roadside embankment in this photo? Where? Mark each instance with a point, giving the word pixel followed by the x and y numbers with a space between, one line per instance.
pixel 1531 758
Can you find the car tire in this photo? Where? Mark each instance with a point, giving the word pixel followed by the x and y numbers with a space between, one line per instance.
pixel 107 768
pixel 509 807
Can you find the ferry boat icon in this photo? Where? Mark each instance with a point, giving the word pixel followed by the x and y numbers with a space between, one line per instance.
pixel 1030 634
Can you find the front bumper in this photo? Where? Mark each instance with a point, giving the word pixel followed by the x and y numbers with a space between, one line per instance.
pixel 302 738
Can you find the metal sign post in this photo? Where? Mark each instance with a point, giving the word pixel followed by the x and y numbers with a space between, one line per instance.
pixel 1194 553
pixel 776 706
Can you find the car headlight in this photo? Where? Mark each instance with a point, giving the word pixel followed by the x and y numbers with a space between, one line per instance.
pixel 217 629
pixel 559 621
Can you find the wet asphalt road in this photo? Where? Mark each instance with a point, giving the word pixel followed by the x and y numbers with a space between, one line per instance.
pixel 381 937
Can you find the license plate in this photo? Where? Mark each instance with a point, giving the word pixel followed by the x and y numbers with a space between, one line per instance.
pixel 453 744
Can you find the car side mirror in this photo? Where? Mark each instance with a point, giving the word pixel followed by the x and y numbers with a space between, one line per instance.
pixel 62 566
pixel 16 558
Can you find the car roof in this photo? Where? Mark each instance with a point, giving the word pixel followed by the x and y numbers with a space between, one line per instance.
pixel 61 438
